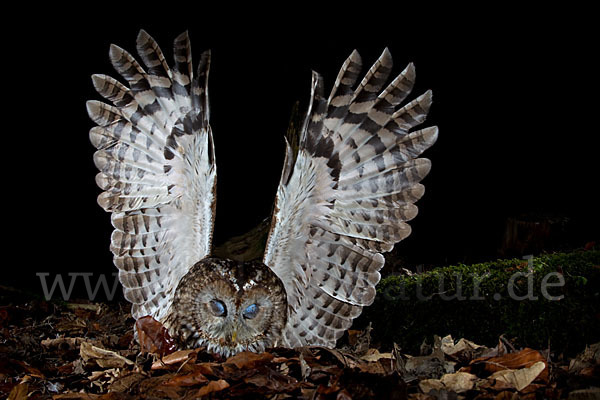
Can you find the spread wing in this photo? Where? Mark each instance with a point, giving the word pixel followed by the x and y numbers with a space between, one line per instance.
pixel 157 168
pixel 345 195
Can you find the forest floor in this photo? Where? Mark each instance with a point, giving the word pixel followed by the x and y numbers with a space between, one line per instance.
pixel 51 350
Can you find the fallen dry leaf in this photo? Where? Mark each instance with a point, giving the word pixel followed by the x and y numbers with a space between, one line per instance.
pixel 102 357
pixel 19 392
pixel 374 355
pixel 96 307
pixel 506 395
pixel 353 336
pixel 36 373
pixel 125 382
pixel 191 379
pixel 305 369
pixel 270 380
pixel 360 340
pixel 459 381
pixel 69 342
pixel 586 359
pixel 585 394
pixel 75 396
pixel 514 361
pixel 154 337
pixel 213 386
pixel 425 367
pixel 463 350
pixel 449 347
pixel 420 396
pixel 520 378
pixel 426 385
pixel 177 357
pixel 248 360
pixel 109 374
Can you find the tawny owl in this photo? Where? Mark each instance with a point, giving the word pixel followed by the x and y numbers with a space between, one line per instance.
pixel 349 183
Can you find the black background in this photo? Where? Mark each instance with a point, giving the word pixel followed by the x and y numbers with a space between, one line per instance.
pixel 513 98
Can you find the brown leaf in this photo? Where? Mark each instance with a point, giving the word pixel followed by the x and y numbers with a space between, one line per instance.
pixel 373 355
pixel 520 378
pixel 420 396
pixel 590 372
pixel 206 368
pixel 191 379
pixel 154 387
pixel 377 363
pixel 426 385
pixel 376 367
pixel 584 394
pixel 64 342
pixel 585 360
pixel 325 356
pixel 102 357
pixel 522 359
pixel 459 381
pixel 154 337
pixel 75 396
pixel 267 378
pixel 425 366
pixel 328 389
pixel 213 386
pixel 66 369
pixel 463 350
pixel 353 336
pixel 72 324
pixel 449 347
pixel 125 383
pixel 125 340
pixel 28 369
pixel 177 357
pixel 19 392
pixel 248 360
pixel 506 395
pixel 534 387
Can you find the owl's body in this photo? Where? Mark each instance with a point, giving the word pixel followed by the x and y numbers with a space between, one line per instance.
pixel 349 183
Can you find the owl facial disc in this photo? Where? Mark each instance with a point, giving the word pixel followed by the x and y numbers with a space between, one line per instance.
pixel 228 306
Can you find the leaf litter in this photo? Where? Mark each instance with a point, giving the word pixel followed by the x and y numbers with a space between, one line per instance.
pixel 88 351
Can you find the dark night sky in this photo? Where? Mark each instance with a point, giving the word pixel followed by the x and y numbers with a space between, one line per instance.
pixel 511 99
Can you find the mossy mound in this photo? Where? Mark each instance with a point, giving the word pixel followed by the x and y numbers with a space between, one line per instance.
pixel 548 301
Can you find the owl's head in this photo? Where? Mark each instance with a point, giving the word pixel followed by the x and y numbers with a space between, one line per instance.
pixel 228 306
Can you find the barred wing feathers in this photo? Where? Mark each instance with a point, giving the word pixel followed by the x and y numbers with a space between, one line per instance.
pixel 157 169
pixel 345 196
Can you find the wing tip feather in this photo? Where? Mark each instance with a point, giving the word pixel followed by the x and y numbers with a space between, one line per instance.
pixel 93 108
pixel 386 57
pixel 115 52
pixel 355 56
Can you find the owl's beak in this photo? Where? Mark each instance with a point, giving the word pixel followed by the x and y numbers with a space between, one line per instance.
pixel 234 335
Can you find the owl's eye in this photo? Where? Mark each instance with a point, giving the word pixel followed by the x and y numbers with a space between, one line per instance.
pixel 218 308
pixel 250 311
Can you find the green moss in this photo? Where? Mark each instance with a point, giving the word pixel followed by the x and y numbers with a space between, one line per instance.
pixel 482 301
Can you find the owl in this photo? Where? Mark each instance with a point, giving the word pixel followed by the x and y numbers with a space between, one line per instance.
pixel 350 180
